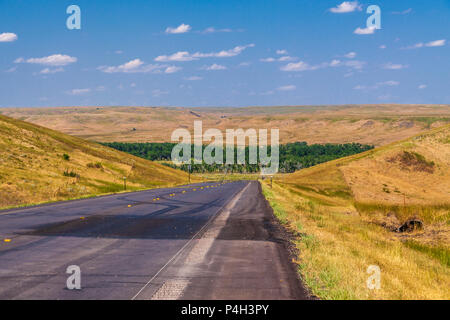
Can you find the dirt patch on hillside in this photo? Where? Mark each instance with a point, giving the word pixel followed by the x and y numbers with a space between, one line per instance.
pixel 413 161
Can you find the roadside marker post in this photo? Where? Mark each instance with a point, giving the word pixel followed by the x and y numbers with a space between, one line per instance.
pixel 189 170
pixel 125 183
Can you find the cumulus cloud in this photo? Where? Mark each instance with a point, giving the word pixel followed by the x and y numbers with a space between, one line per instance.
pixel 8 37
pixel 214 30
pixel 178 56
pixel 186 56
pixel 76 92
pixel 394 66
pixel 172 69
pixel 287 88
pixel 282 52
pixel 422 86
pixel 347 6
pixel 364 31
pixel 350 55
pixel 182 28
pixel 135 66
pixel 282 59
pixel 50 71
pixel 297 66
pixel 390 83
pixel 224 53
pixel 55 60
pixel 435 43
pixel 214 67
pixel 335 63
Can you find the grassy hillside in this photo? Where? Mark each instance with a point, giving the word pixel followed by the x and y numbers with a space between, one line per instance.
pixel 38 165
pixel 345 213
pixel 366 124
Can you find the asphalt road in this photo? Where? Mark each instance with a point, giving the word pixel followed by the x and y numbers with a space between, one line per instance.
pixel 205 241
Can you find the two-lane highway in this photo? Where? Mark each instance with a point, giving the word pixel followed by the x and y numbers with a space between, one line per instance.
pixel 155 244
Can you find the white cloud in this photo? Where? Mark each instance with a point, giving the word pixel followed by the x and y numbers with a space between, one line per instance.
pixel 186 56
pixel 436 43
pixel 390 83
pixel 182 28
pixel 224 53
pixel 335 63
pixel 364 31
pixel 355 64
pixel 282 59
pixel 172 69
pixel 55 60
pixel 193 78
pixel 392 66
pixel 214 67
pixel 282 52
pixel 287 88
pixel 133 66
pixel 100 88
pixel 383 46
pixel 75 92
pixel 286 58
pixel 178 56
pixel 350 55
pixel 347 6
pixel 422 86
pixel 303 66
pixel 297 66
pixel 8 37
pixel 214 30
pixel 50 71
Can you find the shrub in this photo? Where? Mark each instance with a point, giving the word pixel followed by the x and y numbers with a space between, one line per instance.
pixel 71 173
pixel 97 165
pixel 66 157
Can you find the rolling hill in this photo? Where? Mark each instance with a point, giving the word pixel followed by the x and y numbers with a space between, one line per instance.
pixel 366 124
pixel 39 165
pixel 348 213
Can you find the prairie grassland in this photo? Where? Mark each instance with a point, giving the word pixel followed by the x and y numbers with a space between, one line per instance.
pixel 41 165
pixel 366 124
pixel 341 212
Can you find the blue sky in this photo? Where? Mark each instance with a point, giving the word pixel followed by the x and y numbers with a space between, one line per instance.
pixel 223 53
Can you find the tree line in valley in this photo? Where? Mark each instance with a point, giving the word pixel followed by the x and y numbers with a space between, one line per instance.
pixel 292 156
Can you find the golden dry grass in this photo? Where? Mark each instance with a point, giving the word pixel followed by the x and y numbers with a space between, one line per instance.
pixel 369 124
pixel 32 167
pixel 338 209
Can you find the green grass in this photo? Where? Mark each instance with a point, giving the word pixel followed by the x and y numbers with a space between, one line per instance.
pixel 438 252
